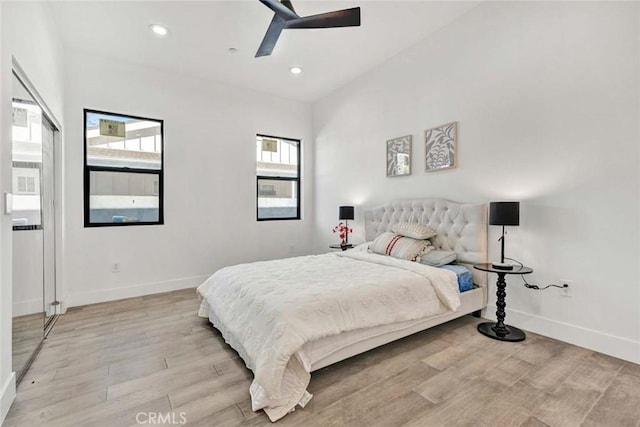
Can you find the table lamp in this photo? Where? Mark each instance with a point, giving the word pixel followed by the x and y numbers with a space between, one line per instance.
pixel 504 214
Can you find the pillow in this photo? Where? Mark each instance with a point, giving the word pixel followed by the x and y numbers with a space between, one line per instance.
pixel 400 247
pixel 438 258
pixel 413 230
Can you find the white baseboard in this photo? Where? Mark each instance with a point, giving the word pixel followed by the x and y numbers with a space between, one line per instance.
pixel 84 298
pixel 7 394
pixel 622 348
pixel 21 308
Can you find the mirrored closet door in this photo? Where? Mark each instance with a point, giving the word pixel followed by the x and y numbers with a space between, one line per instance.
pixel 48 221
pixel 33 251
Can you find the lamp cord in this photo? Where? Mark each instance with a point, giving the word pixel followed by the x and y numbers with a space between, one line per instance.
pixel 529 285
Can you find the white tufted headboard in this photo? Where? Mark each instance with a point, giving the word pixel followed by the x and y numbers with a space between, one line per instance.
pixel 461 227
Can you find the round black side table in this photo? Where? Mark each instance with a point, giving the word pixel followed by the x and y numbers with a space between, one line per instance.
pixel 498 330
pixel 343 247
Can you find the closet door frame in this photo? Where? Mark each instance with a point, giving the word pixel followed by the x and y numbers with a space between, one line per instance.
pixel 49 225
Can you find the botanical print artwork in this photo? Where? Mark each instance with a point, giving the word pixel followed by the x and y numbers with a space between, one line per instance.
pixel 440 143
pixel 399 156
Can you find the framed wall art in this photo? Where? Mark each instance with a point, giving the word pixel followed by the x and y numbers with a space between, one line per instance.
pixel 440 147
pixel 399 156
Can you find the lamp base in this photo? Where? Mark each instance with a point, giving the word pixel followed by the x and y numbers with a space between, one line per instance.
pixel 502 266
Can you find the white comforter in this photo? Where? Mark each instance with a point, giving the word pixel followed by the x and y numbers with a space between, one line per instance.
pixel 268 310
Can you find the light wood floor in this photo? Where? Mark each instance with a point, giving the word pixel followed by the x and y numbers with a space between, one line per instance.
pixel 103 364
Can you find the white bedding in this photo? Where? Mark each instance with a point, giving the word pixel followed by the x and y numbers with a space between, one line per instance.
pixel 269 310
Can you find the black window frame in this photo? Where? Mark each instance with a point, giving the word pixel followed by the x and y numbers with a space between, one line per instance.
pixel 298 180
pixel 89 168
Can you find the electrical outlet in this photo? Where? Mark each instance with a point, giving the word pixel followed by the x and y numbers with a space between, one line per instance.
pixel 115 267
pixel 567 291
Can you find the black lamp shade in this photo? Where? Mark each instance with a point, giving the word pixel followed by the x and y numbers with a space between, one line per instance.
pixel 345 212
pixel 504 213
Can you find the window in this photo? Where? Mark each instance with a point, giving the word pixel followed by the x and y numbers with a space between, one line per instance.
pixel 26 185
pixel 278 178
pixel 123 170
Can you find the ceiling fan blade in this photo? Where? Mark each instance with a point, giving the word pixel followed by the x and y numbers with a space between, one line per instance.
pixel 288 4
pixel 280 9
pixel 271 36
pixel 339 18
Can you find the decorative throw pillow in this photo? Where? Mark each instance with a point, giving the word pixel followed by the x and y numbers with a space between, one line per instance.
pixel 438 258
pixel 400 247
pixel 413 230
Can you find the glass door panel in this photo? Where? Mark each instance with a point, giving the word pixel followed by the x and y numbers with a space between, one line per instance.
pixel 28 237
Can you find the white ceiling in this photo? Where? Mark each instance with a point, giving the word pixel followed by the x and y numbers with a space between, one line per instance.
pixel 201 32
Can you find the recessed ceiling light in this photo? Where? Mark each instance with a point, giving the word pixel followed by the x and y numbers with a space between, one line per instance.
pixel 295 69
pixel 233 50
pixel 159 30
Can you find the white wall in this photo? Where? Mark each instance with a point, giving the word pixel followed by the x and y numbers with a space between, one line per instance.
pixel 7 378
pixel 210 184
pixel 28 34
pixel 546 96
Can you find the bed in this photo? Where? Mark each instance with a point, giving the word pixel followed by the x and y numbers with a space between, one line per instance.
pixel 288 318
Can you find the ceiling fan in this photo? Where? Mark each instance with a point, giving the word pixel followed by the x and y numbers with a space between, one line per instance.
pixel 286 17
